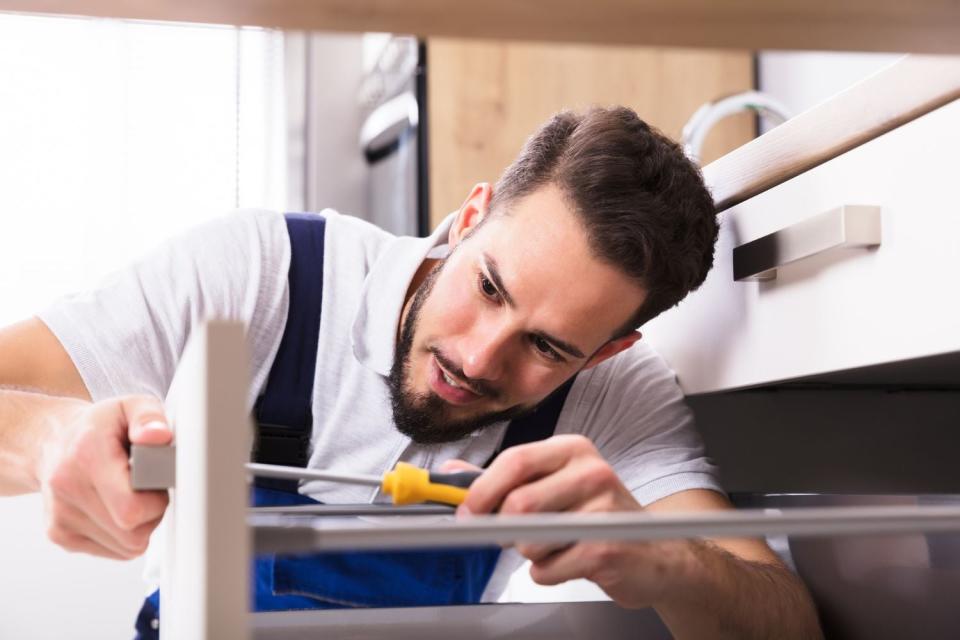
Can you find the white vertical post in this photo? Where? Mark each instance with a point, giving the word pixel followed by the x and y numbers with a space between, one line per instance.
pixel 205 590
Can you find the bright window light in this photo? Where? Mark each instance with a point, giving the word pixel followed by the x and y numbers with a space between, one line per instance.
pixel 115 135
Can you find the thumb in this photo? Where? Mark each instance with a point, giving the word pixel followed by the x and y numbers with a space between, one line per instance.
pixel 454 465
pixel 146 422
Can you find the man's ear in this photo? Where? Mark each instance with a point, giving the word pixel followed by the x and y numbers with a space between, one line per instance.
pixel 472 211
pixel 612 348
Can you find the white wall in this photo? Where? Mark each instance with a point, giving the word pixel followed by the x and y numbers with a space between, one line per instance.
pixel 803 79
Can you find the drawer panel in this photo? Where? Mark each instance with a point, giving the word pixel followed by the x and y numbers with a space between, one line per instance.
pixel 843 308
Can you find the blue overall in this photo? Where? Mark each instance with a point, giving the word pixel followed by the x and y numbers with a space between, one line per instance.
pixel 284 421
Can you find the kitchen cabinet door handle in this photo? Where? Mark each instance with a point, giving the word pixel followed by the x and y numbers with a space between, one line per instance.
pixel 846 226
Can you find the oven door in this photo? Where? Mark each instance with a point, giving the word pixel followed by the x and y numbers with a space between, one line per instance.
pixel 389 139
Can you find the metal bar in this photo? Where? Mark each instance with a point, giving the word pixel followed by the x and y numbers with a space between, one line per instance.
pixel 154 467
pixel 331 510
pixel 489 621
pixel 845 226
pixel 292 534
pixel 296 473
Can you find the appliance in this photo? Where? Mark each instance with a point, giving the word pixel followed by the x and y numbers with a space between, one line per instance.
pixel 393 137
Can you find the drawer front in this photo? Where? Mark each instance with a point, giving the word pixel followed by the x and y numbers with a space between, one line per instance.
pixel 842 308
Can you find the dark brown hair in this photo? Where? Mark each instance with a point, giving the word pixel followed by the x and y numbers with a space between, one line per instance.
pixel 642 203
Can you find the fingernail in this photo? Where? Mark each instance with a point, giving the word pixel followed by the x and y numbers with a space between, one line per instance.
pixel 463 511
pixel 155 425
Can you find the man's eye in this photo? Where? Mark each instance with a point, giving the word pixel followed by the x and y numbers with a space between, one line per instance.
pixel 487 287
pixel 544 347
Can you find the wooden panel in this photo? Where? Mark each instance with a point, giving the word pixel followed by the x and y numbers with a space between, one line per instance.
pixel 486 98
pixel 910 87
pixel 852 25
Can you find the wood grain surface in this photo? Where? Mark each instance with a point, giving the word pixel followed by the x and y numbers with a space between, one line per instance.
pixel 486 98
pixel 923 26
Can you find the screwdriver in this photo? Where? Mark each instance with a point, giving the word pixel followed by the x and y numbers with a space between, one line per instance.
pixel 406 483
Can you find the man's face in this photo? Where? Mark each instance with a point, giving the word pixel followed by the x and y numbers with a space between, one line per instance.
pixel 517 308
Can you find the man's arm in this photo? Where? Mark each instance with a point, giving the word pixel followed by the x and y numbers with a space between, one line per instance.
pixel 55 441
pixel 32 360
pixel 734 588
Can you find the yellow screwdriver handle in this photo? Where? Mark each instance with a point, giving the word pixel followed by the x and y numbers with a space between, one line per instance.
pixel 410 485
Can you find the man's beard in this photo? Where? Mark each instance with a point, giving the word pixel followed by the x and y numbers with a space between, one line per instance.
pixel 425 417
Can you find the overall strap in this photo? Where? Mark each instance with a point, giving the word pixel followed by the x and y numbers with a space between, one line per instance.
pixel 283 414
pixel 538 425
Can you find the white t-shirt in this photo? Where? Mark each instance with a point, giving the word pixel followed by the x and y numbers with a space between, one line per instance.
pixel 128 335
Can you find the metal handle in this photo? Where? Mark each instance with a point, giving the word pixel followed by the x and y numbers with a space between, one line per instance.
pixel 388 123
pixel 845 226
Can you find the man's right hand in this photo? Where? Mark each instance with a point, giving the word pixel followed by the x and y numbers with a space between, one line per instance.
pixel 84 476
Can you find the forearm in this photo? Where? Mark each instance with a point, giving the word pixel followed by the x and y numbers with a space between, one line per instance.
pixel 26 421
pixel 723 596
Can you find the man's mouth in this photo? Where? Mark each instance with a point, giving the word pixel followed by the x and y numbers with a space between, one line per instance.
pixel 449 387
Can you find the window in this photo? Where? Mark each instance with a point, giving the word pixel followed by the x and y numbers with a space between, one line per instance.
pixel 115 135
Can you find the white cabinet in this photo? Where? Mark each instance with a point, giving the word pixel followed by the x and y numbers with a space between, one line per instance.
pixel 844 308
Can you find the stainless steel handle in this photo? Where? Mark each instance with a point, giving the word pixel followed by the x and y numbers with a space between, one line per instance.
pixel 845 226
pixel 388 122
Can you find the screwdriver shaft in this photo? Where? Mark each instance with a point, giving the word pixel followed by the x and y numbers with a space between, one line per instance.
pixel 296 473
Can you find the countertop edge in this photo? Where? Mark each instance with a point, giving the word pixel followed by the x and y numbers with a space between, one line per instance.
pixel 895 95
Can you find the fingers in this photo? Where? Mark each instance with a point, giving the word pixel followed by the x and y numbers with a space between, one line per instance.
pixel 540 551
pixel 584 560
pixel 132 540
pixel 584 480
pixel 454 465
pixel 566 564
pixel 78 544
pixel 127 509
pixel 519 465
pixel 146 420
pixel 537 552
pixel 72 529
pixel 91 506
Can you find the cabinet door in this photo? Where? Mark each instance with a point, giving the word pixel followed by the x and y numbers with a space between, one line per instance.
pixel 485 98
pixel 842 309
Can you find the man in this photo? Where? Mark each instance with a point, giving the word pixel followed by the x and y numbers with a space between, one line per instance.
pixel 427 349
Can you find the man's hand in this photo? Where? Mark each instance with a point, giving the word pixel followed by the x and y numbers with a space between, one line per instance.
pixel 727 588
pixel 567 473
pixel 84 476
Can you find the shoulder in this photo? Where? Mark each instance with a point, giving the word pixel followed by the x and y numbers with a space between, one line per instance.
pixel 637 375
pixel 634 411
pixel 240 238
pixel 256 243
pixel 259 224
pixel 631 400
pixel 351 238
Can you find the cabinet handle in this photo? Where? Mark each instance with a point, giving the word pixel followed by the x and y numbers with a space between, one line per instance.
pixel 846 226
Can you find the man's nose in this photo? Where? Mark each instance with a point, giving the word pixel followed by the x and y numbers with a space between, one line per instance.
pixel 485 354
